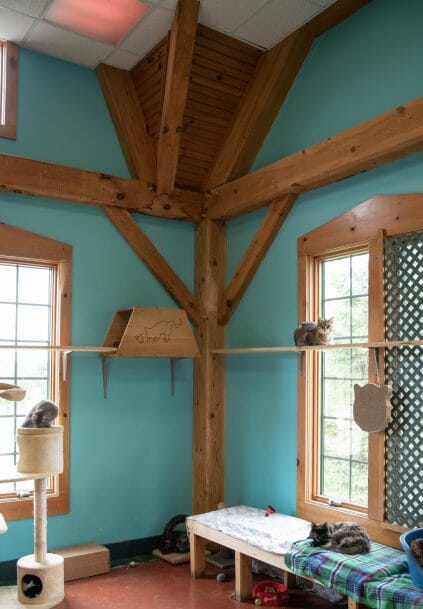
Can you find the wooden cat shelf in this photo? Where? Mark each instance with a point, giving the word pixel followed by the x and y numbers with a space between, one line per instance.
pixel 149 332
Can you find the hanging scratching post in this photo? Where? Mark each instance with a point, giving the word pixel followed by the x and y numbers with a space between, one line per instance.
pixel 372 404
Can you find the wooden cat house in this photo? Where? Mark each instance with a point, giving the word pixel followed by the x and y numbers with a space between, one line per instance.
pixel 151 332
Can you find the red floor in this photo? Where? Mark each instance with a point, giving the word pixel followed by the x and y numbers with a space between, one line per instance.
pixel 158 585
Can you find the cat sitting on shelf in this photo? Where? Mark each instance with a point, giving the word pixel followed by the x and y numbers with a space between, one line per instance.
pixel 311 333
pixel 345 537
pixel 41 415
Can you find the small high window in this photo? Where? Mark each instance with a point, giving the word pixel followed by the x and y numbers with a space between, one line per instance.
pixel 8 88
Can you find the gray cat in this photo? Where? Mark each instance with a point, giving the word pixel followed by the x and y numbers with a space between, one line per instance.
pixel 310 333
pixel 345 537
pixel 41 415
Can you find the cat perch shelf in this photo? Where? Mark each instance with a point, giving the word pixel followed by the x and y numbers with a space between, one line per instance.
pixel 149 332
pixel 372 345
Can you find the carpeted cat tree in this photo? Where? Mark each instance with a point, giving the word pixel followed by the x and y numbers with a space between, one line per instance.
pixel 40 576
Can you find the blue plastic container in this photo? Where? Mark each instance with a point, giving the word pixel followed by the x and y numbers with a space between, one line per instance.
pixel 416 571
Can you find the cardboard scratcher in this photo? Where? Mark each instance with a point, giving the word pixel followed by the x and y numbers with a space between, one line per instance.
pixel 174 558
pixel 372 406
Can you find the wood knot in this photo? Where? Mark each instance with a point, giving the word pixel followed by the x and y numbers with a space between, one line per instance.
pixel 120 196
pixel 353 148
pixel 165 130
pixel 229 303
pixel 105 176
pixel 178 129
pixel 400 110
pixel 166 206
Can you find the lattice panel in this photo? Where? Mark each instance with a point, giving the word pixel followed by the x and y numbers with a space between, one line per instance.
pixel 404 371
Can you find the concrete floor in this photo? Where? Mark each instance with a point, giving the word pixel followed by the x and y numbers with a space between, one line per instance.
pixel 155 585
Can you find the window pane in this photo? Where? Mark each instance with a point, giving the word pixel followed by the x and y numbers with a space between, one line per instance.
pixel 337 278
pixel 336 478
pixel 7 435
pixel 343 449
pixel 32 363
pixel 33 322
pixel 7 364
pixel 7 321
pixel 36 390
pixel 7 283
pixel 34 285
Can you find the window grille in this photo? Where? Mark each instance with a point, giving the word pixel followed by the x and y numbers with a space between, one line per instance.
pixel 404 371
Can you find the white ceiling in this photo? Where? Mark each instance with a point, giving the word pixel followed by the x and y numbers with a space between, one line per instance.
pixel 260 22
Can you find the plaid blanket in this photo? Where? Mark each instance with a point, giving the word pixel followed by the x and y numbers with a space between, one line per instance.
pixel 349 574
pixel 396 592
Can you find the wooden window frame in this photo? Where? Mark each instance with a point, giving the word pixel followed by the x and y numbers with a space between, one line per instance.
pixel 22 247
pixel 363 227
pixel 9 54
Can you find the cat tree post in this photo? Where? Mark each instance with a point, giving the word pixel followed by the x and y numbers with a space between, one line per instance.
pixel 40 519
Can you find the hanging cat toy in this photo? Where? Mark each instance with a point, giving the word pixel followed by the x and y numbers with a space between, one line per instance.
pixel 372 403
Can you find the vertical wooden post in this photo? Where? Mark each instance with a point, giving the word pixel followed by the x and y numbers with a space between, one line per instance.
pixel 197 547
pixel 243 577
pixel 209 369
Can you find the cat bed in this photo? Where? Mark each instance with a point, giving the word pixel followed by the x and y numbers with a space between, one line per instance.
pixel 348 574
pixel 275 533
pixel 174 558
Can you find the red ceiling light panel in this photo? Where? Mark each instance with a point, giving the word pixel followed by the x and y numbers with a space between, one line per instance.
pixel 105 20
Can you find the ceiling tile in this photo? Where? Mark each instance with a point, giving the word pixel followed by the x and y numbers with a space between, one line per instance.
pixel 33 8
pixel 52 40
pixel 148 32
pixel 227 15
pixel 13 26
pixel 275 21
pixel 122 59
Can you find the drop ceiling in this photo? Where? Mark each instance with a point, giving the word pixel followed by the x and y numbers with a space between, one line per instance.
pixel 262 23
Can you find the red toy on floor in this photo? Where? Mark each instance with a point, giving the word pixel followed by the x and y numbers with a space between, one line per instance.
pixel 271 594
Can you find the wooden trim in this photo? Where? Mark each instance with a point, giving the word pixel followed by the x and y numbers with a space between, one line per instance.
pixel 155 262
pixel 23 246
pixel 179 61
pixel 258 248
pixel 396 213
pixel 360 226
pixel 53 181
pixel 128 119
pixel 9 55
pixel 209 369
pixel 257 110
pixel 388 137
pixel 376 326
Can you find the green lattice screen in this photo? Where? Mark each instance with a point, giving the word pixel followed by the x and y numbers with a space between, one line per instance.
pixel 404 371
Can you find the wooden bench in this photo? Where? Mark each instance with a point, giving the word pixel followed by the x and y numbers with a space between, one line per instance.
pixel 200 533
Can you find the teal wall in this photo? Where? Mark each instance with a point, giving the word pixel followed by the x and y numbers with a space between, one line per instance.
pixel 131 453
pixel 363 67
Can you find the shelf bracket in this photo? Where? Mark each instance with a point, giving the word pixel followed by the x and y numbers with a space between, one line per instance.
pixel 105 367
pixel 65 360
pixel 173 361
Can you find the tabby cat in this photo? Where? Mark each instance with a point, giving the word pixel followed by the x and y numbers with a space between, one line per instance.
pixel 311 333
pixel 174 540
pixel 417 549
pixel 346 537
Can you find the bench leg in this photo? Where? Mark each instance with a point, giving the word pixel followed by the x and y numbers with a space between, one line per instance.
pixel 243 577
pixel 352 604
pixel 197 550
pixel 289 579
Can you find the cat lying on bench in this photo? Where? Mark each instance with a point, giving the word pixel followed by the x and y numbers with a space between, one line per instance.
pixel 345 537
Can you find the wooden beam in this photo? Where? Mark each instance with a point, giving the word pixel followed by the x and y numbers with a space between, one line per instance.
pixel 264 96
pixel 152 258
pixel 128 119
pixel 52 181
pixel 266 93
pixel 388 137
pixel 334 14
pixel 258 248
pixel 209 369
pixel 181 50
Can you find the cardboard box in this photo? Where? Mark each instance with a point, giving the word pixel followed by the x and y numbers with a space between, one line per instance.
pixel 85 560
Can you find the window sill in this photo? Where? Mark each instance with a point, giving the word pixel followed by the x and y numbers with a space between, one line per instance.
pixel 18 509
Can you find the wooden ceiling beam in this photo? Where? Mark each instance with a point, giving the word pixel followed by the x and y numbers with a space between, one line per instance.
pixel 264 96
pixel 388 137
pixel 258 248
pixel 266 93
pixel 53 181
pixel 179 62
pixel 144 248
pixel 128 118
